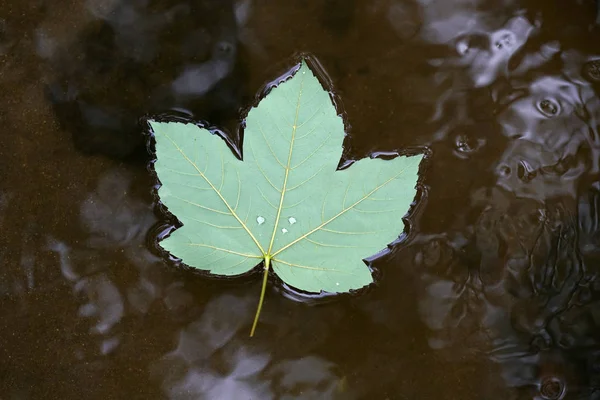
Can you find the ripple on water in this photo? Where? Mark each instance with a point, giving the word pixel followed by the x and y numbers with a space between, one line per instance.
pixel 501 263
pixel 522 286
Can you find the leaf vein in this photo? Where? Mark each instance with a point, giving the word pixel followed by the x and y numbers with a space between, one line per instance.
pixel 311 268
pixel 307 179
pixel 200 206
pixel 352 232
pixel 287 168
pixel 310 118
pixel 376 211
pixel 260 128
pixel 224 250
pixel 336 216
pixel 313 153
pixel 217 192
pixel 181 173
pixel 333 245
pixel 215 225
pixel 263 172
pixel 234 265
pixel 266 199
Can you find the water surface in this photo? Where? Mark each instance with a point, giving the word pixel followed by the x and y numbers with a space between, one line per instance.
pixel 493 294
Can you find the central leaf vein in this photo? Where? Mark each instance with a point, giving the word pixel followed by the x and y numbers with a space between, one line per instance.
pixel 287 167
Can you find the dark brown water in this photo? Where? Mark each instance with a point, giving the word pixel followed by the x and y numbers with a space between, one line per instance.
pixel 494 294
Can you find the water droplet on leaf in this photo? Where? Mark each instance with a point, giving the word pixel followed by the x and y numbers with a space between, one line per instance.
pixel 260 220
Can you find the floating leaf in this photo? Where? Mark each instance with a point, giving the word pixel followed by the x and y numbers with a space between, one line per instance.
pixel 285 204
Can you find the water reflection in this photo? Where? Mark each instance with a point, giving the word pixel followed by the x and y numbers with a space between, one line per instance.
pixel 134 58
pixel 112 219
pixel 501 265
pixel 512 276
pixel 210 361
pixel 485 55
pixel 554 129
pixel 520 287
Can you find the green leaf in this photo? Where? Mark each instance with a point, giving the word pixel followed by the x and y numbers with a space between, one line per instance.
pixel 286 203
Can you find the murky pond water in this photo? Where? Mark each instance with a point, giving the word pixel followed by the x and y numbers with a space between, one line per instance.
pixel 494 294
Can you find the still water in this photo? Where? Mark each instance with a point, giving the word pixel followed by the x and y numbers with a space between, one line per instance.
pixel 493 294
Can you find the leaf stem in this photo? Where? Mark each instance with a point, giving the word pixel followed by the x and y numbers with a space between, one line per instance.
pixel 262 294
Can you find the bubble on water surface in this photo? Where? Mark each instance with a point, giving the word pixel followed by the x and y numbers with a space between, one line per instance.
pixel 552 388
pixel 591 70
pixel 548 107
pixel 505 41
